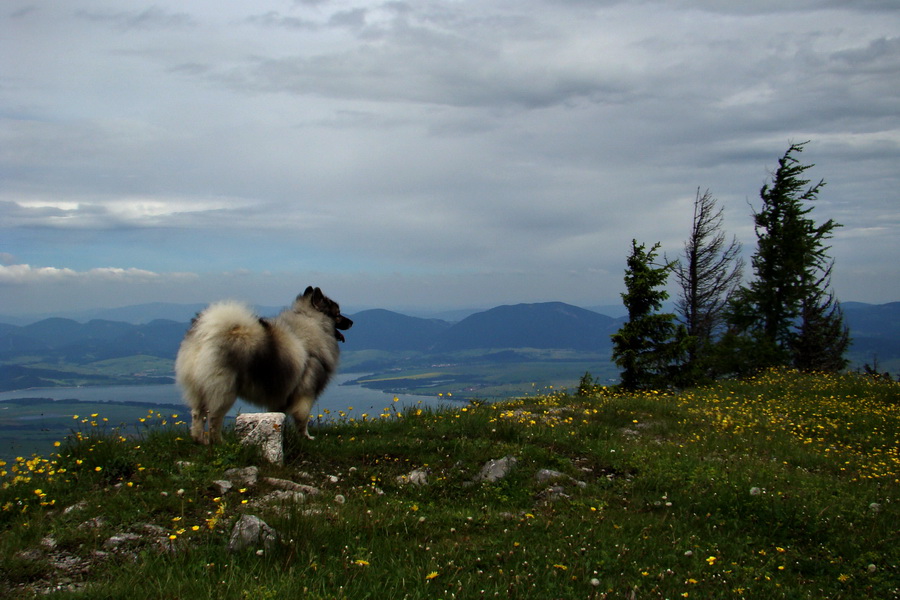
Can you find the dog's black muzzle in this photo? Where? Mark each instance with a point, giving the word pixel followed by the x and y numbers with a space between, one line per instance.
pixel 342 323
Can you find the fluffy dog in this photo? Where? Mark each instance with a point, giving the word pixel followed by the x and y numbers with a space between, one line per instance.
pixel 281 364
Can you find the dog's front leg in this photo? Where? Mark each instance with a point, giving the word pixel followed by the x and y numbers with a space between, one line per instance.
pixel 198 425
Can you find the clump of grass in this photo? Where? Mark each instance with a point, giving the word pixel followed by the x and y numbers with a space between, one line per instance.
pixel 783 486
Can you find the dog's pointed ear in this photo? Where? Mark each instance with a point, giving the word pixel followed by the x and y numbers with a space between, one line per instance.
pixel 308 292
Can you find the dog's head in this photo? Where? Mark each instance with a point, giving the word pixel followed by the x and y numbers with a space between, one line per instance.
pixel 327 307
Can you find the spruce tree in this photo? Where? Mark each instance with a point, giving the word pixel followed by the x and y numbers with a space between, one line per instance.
pixel 785 300
pixel 647 346
pixel 822 338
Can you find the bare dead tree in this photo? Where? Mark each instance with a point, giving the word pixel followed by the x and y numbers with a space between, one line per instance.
pixel 708 274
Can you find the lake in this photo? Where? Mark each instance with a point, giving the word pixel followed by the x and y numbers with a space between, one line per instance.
pixel 26 429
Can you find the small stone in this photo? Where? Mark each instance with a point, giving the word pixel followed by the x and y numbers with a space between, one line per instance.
pixel 416 477
pixel 118 540
pixel 95 523
pixel 243 477
pixel 495 470
pixel 77 506
pixel 222 486
pixel 553 494
pixel 151 529
pixel 251 531
pixel 547 474
pixel 282 484
pixel 282 497
pixel 32 555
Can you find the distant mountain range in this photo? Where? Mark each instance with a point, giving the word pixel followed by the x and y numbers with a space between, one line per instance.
pixel 547 325
pixel 552 325
pixel 141 314
pixel 65 340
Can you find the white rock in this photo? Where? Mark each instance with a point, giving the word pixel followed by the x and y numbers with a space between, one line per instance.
pixel 415 477
pixel 283 484
pixel 263 430
pixel 115 541
pixel 244 477
pixel 78 506
pixel 251 531
pixel 497 469
pixel 223 486
pixel 283 497
pixel 545 474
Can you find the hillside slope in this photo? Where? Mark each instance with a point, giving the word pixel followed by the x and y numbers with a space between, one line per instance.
pixel 542 325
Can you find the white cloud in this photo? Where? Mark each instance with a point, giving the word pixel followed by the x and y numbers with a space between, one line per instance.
pixel 21 274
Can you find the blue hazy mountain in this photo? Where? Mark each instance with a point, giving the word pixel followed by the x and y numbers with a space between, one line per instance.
pixel 875 330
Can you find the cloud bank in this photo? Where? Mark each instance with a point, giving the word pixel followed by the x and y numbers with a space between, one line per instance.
pixel 438 154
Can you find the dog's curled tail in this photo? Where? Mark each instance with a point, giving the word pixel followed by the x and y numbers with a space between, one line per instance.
pixel 229 325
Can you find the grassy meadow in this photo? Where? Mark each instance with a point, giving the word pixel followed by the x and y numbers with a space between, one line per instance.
pixel 782 486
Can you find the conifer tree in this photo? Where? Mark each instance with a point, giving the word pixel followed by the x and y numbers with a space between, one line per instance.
pixel 822 338
pixel 647 345
pixel 787 299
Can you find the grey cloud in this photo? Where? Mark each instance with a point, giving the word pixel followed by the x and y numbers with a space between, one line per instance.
pixel 464 79
pixel 148 19
pixel 434 150
pixel 23 12
pixel 80 216
pixel 276 19
pixel 762 7
pixel 353 18
pixel 880 56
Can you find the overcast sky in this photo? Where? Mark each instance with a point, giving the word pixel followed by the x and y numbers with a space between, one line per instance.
pixel 426 154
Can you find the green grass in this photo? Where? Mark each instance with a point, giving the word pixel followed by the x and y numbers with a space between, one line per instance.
pixel 785 486
pixel 31 426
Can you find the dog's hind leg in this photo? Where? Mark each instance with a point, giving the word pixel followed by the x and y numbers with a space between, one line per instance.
pixel 196 400
pixel 300 409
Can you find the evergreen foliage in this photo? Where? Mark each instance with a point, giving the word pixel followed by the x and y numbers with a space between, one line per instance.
pixel 786 313
pixel 649 343
pixel 822 339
